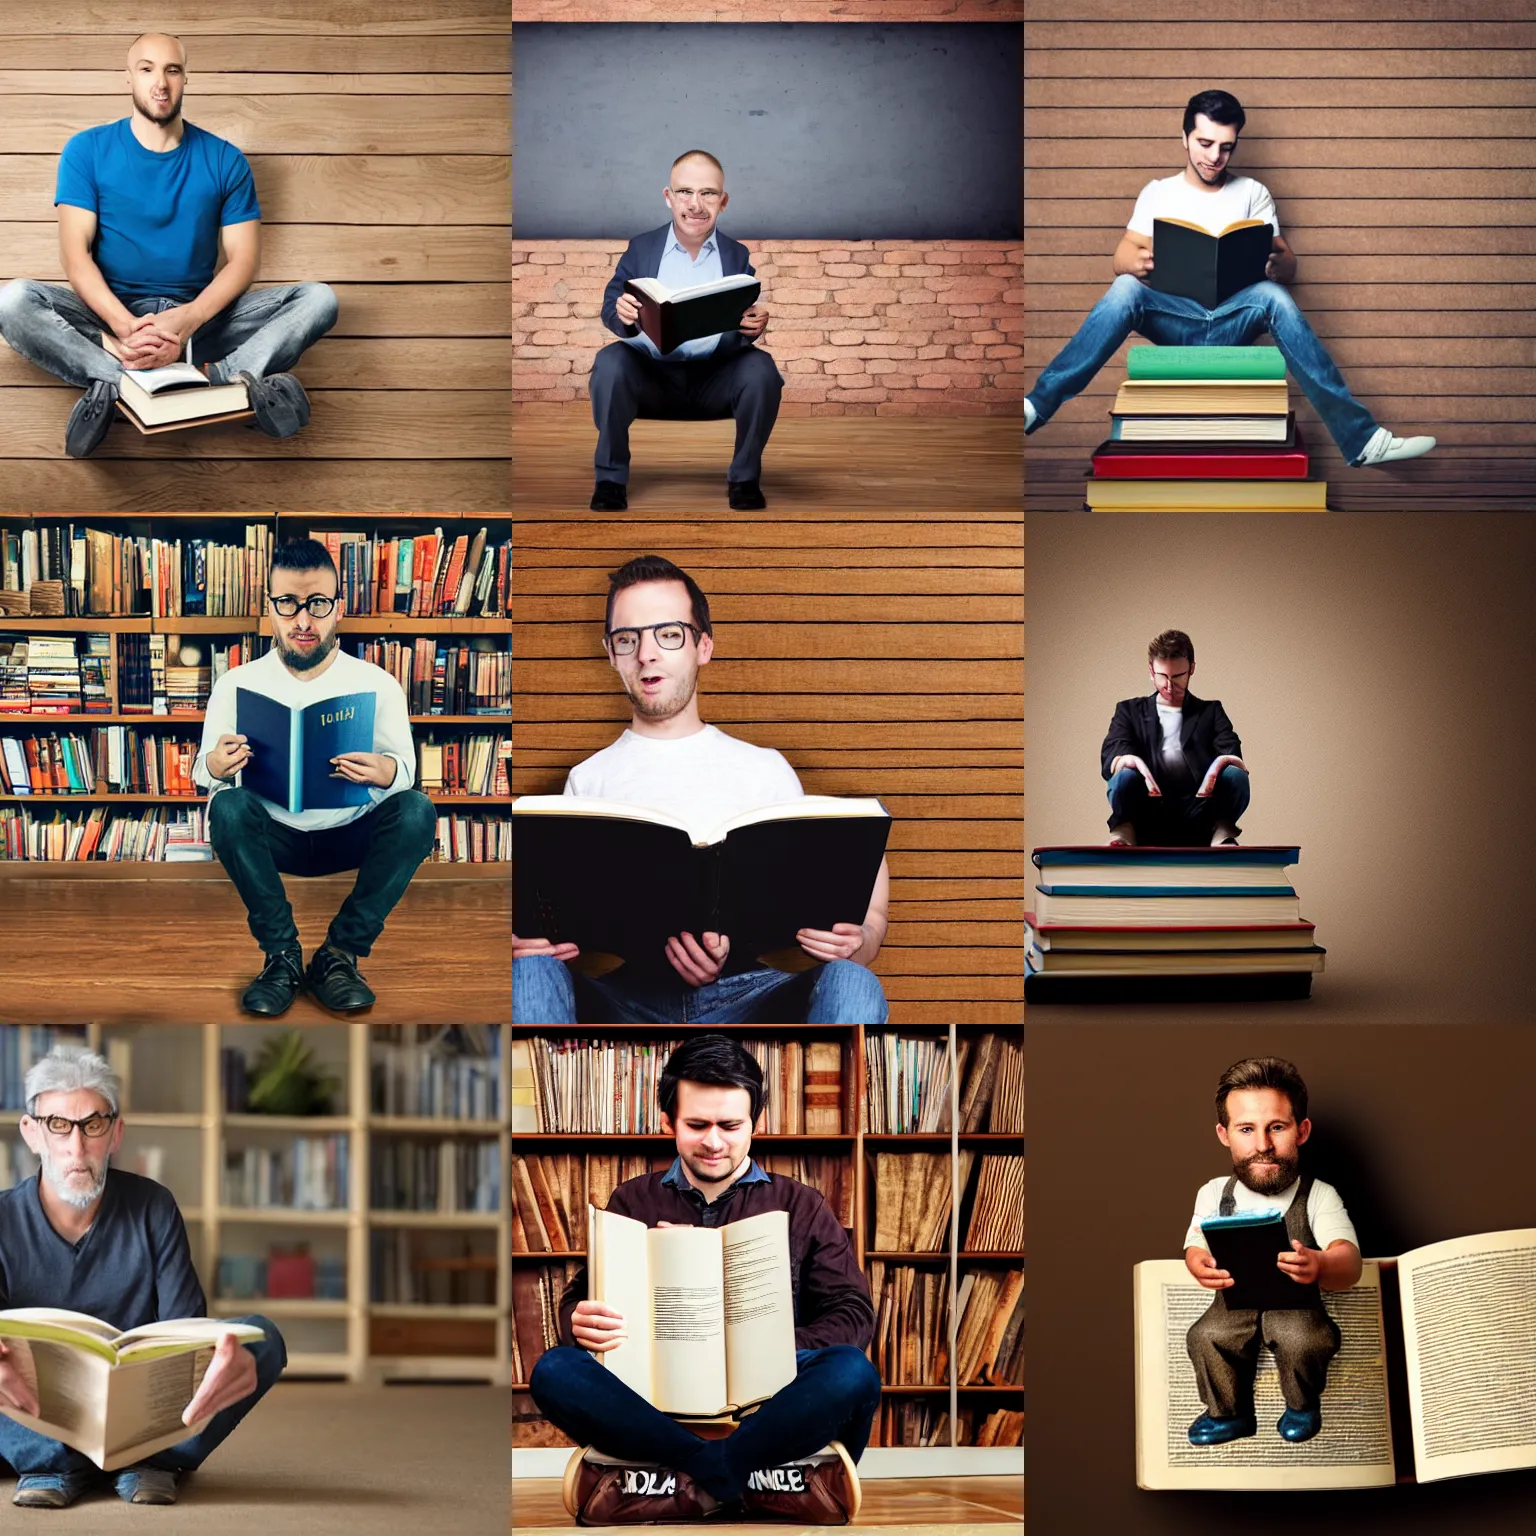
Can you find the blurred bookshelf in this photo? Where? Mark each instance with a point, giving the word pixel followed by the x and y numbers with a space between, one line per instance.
pixel 378 1235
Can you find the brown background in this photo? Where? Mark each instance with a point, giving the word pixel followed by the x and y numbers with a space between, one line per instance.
pixel 1382 675
pixel 1422 1130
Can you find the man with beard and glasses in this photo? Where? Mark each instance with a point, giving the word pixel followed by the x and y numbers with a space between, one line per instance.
pixel 258 841
pixel 1261 1113
pixel 1205 193
pixel 160 236
pixel 658 636
pixel 86 1237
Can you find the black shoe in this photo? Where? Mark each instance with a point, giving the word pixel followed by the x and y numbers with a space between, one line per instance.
pixel 746 496
pixel 609 496
pixel 89 420
pixel 281 406
pixel 334 980
pixel 281 980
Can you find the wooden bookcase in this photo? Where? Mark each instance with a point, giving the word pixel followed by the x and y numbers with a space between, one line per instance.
pixel 859 1146
pixel 286 525
pixel 353 1337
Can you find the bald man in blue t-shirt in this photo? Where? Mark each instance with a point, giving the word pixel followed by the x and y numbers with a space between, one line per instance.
pixel 147 207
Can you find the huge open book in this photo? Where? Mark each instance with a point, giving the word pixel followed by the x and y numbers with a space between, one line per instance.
pixel 671 316
pixel 709 1311
pixel 621 879
pixel 114 1396
pixel 1194 263
pixel 1456 1319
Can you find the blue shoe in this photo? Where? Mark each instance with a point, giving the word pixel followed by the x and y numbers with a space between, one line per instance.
pixel 146 1485
pixel 52 1490
pixel 1298 1424
pixel 1210 1431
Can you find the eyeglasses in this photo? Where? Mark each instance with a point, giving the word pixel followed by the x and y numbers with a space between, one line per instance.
pixel 670 637
pixel 94 1126
pixel 704 194
pixel 288 606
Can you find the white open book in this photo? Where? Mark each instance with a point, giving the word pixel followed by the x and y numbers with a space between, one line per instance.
pixel 115 1396
pixel 653 288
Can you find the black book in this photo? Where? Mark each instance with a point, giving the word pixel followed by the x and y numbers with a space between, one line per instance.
pixel 671 316
pixel 621 879
pixel 1246 1246
pixel 1195 264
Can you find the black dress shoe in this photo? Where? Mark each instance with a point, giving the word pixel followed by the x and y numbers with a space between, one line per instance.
pixel 89 420
pixel 281 980
pixel 746 495
pixel 609 496
pixel 335 982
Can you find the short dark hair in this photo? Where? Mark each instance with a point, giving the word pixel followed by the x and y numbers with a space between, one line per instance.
pixel 1171 643
pixel 656 568
pixel 715 1059
pixel 1262 1072
pixel 302 555
pixel 1220 106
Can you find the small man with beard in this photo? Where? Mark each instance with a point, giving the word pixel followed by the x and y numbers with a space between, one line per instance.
pixel 658 636
pixel 258 841
pixel 1261 1111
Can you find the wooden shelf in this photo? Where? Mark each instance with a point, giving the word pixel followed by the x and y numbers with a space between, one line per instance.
pixel 302 1123
pixel 154 1121
pixel 242 623
pixel 281 1306
pixel 282 1215
pixel 196 717
pixel 401 1309
pixel 440 798
pixel 417 1123
pixel 450 1219
pixel 210 869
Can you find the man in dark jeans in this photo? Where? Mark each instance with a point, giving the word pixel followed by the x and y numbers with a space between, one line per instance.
pixel 258 841
pixel 794 1456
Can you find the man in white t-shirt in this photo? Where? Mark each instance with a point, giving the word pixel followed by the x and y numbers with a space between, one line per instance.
pixel 259 841
pixel 658 635
pixel 1261 1117
pixel 1206 193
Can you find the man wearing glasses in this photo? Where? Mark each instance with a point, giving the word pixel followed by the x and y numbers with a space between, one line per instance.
pixel 658 636
pixel 258 841
pixel 1198 789
pixel 714 376
pixel 89 1238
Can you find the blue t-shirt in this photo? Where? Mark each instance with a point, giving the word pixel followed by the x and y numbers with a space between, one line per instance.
pixel 133 1267
pixel 158 216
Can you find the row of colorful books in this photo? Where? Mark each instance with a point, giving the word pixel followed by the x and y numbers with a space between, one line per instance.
pixel 427 575
pixel 908 1083
pixel 464 765
pixel 107 759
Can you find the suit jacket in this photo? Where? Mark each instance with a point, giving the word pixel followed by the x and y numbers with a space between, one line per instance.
pixel 1205 734
pixel 643 259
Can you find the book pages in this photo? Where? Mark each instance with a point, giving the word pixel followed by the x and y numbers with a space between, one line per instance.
pixel 71 1387
pixel 688 1319
pixel 1469 1333
pixel 1354 1449
pixel 619 1257
pixel 145 1404
pixel 759 1307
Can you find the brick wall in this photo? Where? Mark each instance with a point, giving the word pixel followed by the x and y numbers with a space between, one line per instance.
pixel 858 328
pixel 768 10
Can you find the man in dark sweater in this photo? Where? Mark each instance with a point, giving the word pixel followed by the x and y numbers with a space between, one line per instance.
pixel 85 1237
pixel 711 1091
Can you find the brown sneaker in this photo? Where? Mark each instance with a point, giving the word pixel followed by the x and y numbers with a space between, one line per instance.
pixel 817 1490
pixel 603 1490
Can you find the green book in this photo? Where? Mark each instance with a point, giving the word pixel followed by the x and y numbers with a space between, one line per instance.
pixel 1205 363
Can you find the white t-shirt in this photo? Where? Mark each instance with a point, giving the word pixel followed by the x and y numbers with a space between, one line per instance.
pixel 1172 722
pixel 703 779
pixel 1325 1211
pixel 1239 197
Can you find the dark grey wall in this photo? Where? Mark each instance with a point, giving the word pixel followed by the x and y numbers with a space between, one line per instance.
pixel 826 130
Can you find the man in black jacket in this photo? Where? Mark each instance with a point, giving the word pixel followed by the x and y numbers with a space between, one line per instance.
pixel 1198 789
pixel 795 1454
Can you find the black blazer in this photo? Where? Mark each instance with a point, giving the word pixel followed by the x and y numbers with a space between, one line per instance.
pixel 643 259
pixel 1136 732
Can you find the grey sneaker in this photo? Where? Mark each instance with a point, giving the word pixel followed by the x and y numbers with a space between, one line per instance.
pixel 51 1490
pixel 279 401
pixel 146 1485
pixel 89 420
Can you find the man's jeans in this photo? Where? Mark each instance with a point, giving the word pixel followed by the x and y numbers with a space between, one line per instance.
pixel 384 846
pixel 547 991
pixel 1177 821
pixel 264 331
pixel 27 1451
pixel 1171 321
pixel 833 1397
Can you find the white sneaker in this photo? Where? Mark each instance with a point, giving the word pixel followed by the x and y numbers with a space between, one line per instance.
pixel 1122 836
pixel 1383 448
pixel 1029 414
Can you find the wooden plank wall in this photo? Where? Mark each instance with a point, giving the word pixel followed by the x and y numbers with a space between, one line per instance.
pixel 880 658
pixel 1399 141
pixel 379 135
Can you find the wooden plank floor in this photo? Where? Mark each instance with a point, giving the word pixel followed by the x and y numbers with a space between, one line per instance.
pixel 814 467
pixel 119 951
pixel 986 1506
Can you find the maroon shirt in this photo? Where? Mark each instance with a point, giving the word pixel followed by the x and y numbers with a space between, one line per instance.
pixel 832 1303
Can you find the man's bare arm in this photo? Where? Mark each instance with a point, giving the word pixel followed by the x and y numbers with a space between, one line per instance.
pixel 877 918
pixel 77 229
pixel 1133 256
pixel 1281 267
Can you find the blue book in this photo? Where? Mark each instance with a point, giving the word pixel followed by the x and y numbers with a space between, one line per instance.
pixel 292 748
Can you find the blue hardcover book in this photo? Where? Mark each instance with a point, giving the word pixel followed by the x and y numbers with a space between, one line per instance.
pixel 1167 890
pixel 292 748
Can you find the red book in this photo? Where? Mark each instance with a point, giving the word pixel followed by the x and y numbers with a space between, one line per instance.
pixel 1223 464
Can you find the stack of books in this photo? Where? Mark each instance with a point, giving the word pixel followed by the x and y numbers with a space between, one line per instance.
pixel 1118 924
pixel 1204 429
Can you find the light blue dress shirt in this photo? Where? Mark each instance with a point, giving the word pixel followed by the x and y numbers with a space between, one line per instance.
pixel 679 270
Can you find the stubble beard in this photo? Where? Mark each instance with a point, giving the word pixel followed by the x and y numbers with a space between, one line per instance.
pixel 667 704
pixel 70 1194
pixel 160 117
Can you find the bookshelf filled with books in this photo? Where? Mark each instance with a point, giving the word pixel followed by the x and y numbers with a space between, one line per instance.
pixel 113 633
pixel 346 1180
pixel 931 1197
